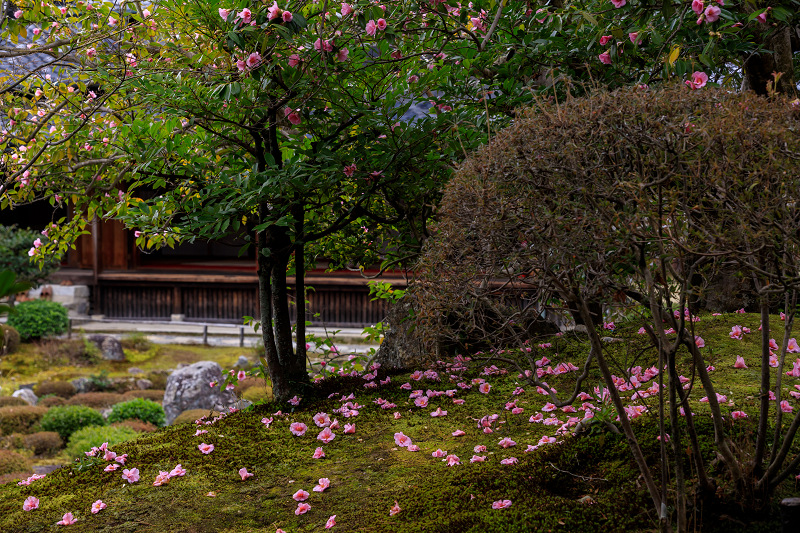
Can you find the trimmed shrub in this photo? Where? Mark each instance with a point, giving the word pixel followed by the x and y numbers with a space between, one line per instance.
pixel 43 442
pixel 159 380
pixel 96 400
pixel 13 462
pixel 141 408
pixel 20 418
pixel 138 425
pixel 15 441
pixel 150 394
pixel 11 339
pixel 74 352
pixel 51 401
pixel 64 389
pixel 68 419
pixel 248 383
pixel 257 394
pixel 83 439
pixel 136 341
pixel 6 401
pixel 190 415
pixel 39 318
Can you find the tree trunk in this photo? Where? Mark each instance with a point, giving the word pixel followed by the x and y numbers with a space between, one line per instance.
pixel 758 67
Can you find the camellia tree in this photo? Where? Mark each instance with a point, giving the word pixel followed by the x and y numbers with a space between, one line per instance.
pixel 293 125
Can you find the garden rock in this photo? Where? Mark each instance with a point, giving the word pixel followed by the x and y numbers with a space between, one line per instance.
pixel 27 395
pixel 401 348
pixel 110 348
pixel 135 370
pixel 242 362
pixel 188 388
pixel 144 384
pixel 82 385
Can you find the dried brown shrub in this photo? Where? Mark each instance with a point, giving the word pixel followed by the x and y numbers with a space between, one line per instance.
pixel 149 394
pixel 43 442
pixel 96 400
pixel 137 425
pixel 11 400
pixel 13 462
pixel 51 401
pixel 20 419
pixel 63 389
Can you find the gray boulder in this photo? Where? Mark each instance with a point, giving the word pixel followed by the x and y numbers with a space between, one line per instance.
pixel 110 347
pixel 82 385
pixel 188 388
pixel 27 395
pixel 402 347
pixel 144 384
pixel 243 362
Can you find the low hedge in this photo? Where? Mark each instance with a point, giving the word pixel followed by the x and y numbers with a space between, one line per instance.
pixel 68 419
pixel 20 418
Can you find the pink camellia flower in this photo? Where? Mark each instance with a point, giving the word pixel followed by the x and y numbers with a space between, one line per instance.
pixel 324 483
pixel 413 448
pixel 762 17
pixel 66 520
pixel 484 388
pixel 205 448
pixel 253 60
pixel 246 15
pixel 380 24
pixel 502 504
pixel 547 440
pixel 698 81
pixel 712 13
pixel 792 346
pixel 509 461
pixel 31 503
pixel 401 439
pixel 294 118
pixel 739 362
pixel 738 415
pixel 319 453
pixel 347 9
pixel 296 399
pixel 300 496
pixel 132 475
pixel 241 375
pixel 298 429
pixel 438 453
pixel 161 479
pixel 111 468
pixel 452 460
pixel 341 56
pixel 479 448
pixel 322 420
pixel 287 16
pixel 619 3
pixel 699 341
pixel 178 471
pixel 302 508
pixel 274 11
pixel 458 433
pixel 244 473
pixel 349 429
pixel 349 170
pixel 605 58
pixel 395 509
pixel 633 36
pixel 478 459
pixel 98 506
pixel 331 522
pixel 786 407
pixel 698 6
pixel 294 60
pixel 605 39
pixel 326 435
pixel 224 13
pixel 507 443
pixel 371 28
pixel 438 412
pixel 422 401
pixel 18 14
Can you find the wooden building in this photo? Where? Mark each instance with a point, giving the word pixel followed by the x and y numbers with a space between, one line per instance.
pixel 204 282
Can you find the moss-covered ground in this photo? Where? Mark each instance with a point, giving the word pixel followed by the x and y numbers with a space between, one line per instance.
pixel 583 483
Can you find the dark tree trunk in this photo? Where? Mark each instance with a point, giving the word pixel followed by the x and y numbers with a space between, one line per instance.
pixel 777 57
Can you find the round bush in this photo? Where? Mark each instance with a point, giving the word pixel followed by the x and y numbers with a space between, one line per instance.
pixel 6 401
pixel 35 319
pixel 257 394
pixel 96 400
pixel 11 339
pixel 51 401
pixel 64 389
pixel 43 442
pixel 68 419
pixel 190 415
pixel 140 408
pixel 12 462
pixel 137 425
pixel 20 418
pixel 83 439
pixel 150 394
